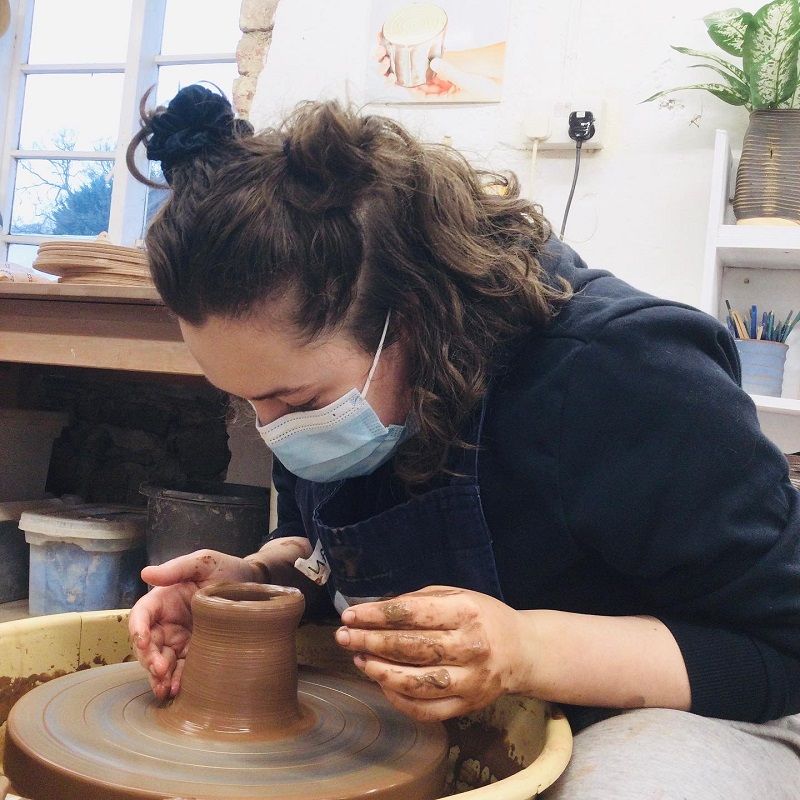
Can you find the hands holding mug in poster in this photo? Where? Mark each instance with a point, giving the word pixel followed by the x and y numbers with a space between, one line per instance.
pixel 473 74
pixel 411 54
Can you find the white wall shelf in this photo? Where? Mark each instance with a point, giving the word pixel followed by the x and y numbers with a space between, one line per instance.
pixel 748 264
pixel 777 405
pixel 758 247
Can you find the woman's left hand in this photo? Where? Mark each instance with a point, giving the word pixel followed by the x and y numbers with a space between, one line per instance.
pixel 439 652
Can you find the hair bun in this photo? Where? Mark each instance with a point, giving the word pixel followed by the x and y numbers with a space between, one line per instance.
pixel 326 150
pixel 195 119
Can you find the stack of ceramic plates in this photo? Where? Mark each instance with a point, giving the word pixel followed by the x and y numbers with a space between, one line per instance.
pixel 93 262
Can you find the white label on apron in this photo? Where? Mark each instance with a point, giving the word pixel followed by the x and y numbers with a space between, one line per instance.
pixel 315 566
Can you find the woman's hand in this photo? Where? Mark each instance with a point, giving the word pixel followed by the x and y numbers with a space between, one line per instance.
pixel 160 624
pixel 439 652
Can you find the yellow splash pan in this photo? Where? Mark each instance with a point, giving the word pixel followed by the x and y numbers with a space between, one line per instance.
pixel 512 750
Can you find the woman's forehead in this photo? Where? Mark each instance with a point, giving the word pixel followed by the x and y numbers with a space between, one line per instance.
pixel 249 358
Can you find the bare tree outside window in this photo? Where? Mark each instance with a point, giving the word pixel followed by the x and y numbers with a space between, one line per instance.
pixel 74 92
pixel 63 196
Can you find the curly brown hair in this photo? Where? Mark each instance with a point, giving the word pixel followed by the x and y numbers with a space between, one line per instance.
pixel 355 217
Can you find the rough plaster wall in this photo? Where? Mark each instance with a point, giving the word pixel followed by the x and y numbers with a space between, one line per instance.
pixel 256 21
pixel 641 205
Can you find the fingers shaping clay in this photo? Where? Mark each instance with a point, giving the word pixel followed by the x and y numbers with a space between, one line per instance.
pixel 247 724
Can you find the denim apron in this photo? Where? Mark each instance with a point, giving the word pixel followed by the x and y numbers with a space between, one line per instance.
pixel 439 537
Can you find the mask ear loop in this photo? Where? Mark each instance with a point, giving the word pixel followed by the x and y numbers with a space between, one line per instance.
pixel 377 355
pixel 258 421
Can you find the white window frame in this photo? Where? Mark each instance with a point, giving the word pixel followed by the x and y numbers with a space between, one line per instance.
pixel 140 71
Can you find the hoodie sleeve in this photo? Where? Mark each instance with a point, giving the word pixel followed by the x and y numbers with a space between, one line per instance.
pixel 665 474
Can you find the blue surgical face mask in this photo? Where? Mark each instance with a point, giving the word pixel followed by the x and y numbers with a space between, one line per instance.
pixel 343 440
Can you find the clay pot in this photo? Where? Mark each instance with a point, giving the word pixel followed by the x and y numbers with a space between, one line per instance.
pixel 768 178
pixel 255 624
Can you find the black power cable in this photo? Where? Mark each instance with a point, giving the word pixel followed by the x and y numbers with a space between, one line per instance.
pixel 581 129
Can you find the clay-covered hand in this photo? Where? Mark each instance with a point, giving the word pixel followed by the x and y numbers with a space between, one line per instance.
pixel 161 622
pixel 439 652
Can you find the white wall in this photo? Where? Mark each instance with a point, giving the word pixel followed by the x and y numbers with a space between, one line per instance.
pixel 641 204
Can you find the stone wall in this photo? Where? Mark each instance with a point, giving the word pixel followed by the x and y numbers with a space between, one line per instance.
pixel 256 21
pixel 124 432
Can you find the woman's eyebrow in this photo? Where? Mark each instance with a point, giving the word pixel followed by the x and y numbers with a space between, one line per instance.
pixel 283 390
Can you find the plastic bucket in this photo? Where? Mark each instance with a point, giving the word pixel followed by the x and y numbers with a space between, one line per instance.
pixel 762 366
pixel 229 517
pixel 85 558
pixel 14 550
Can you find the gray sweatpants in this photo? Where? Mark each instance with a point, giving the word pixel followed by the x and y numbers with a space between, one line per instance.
pixel 661 754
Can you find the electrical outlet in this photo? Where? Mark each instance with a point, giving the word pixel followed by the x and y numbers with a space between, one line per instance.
pixel 558 138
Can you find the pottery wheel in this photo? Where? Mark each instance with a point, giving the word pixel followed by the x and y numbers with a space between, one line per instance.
pixel 100 734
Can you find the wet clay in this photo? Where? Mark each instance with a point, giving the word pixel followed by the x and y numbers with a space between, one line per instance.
pixel 246 725
pixel 497 761
pixel 439 679
pixel 11 689
pixel 396 613
pixel 242 642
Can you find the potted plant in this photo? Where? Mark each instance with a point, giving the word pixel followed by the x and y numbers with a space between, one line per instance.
pixel 768 86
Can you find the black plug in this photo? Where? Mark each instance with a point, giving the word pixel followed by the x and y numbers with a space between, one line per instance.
pixel 581 129
pixel 581 126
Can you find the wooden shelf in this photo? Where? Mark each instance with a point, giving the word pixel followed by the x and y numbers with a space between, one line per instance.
pixel 81 292
pixel 759 247
pixel 102 327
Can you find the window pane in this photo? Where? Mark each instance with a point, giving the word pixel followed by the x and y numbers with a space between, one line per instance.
pixel 79 31
pixel 187 29
pixel 172 79
pixel 71 112
pixel 64 196
pixel 22 254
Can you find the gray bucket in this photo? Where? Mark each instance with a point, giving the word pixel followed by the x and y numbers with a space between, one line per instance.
pixel 762 366
pixel 195 515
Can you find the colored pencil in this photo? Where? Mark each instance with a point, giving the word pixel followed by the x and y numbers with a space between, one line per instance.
pixel 770 329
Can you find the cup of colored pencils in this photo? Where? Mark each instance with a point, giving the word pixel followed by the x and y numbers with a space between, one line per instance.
pixel 761 342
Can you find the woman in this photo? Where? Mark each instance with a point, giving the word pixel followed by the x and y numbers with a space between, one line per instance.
pixel 555 477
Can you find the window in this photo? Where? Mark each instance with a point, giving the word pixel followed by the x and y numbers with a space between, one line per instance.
pixel 77 73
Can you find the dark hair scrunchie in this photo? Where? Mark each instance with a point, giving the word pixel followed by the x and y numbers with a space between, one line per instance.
pixel 195 119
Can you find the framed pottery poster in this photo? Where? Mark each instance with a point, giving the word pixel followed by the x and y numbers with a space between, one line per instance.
pixel 448 51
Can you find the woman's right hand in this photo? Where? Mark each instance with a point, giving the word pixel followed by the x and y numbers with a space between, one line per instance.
pixel 161 622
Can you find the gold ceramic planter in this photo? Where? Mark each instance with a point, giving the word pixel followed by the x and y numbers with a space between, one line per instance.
pixel 768 178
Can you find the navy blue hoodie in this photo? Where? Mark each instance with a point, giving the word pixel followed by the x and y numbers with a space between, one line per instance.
pixel 623 471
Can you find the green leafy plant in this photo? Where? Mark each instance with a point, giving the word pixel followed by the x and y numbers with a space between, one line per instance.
pixel 767 42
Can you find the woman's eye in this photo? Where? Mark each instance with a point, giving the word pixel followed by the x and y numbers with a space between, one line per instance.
pixel 308 406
